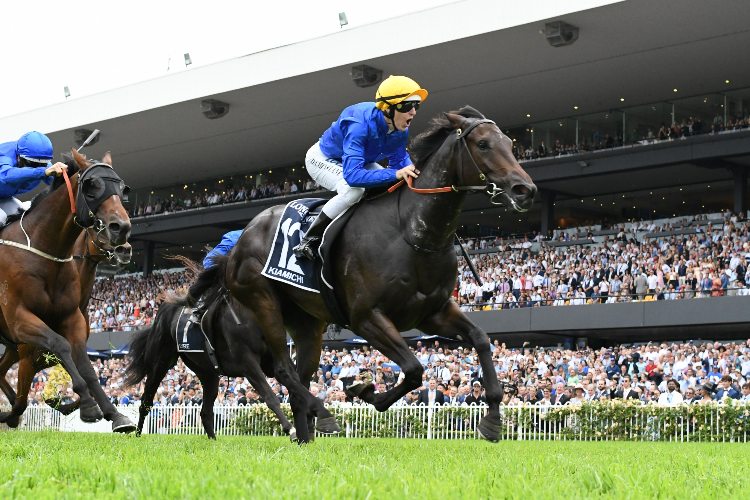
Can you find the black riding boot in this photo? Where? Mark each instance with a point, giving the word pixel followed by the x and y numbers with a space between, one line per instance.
pixel 310 242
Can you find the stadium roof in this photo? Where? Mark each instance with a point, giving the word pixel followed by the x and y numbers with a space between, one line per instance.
pixel 485 53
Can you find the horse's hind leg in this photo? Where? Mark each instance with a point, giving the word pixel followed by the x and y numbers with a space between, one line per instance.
pixel 452 323
pixel 308 338
pixel 10 357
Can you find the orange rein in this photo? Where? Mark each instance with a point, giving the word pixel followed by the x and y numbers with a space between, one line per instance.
pixel 70 192
pixel 417 190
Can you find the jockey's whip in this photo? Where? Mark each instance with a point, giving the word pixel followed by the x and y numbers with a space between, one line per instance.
pixel 88 140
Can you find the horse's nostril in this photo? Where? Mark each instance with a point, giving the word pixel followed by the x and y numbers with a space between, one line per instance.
pixel 520 190
pixel 114 227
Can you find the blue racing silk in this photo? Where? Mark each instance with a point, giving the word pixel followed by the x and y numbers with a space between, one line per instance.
pixel 360 137
pixel 15 180
pixel 228 241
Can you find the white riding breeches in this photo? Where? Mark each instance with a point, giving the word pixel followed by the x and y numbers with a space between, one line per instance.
pixel 11 206
pixel 329 173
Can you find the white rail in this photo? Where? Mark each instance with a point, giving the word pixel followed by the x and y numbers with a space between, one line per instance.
pixel 615 420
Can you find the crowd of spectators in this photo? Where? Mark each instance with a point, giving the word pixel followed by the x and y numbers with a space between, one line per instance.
pixel 711 259
pixel 661 374
pixel 230 195
pixel 641 134
pixel 130 302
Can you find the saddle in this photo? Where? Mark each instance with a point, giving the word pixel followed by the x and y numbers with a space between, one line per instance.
pixel 200 336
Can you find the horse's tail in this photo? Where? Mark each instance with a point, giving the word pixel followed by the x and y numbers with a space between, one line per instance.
pixel 205 279
pixel 137 368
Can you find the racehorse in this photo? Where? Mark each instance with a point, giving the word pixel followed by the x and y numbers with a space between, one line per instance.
pixel 40 292
pixel 240 350
pixel 88 252
pixel 394 265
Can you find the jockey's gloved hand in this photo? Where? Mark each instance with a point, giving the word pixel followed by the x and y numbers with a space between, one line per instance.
pixel 56 169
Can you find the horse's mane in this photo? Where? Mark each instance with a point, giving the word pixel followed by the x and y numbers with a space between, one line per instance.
pixel 67 158
pixel 428 142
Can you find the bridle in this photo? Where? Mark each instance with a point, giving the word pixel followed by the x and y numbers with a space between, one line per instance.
pixel 108 255
pixel 111 185
pixel 490 188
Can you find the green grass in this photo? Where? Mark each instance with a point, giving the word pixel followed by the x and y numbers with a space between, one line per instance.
pixel 52 465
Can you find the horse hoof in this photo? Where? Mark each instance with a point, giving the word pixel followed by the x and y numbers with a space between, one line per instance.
pixel 360 391
pixel 328 426
pixel 123 424
pixel 293 435
pixel 91 414
pixel 9 419
pixel 489 431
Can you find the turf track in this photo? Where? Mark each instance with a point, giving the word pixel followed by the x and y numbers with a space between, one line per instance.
pixel 52 465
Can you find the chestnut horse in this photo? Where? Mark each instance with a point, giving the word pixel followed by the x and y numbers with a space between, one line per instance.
pixel 394 266
pixel 88 251
pixel 40 295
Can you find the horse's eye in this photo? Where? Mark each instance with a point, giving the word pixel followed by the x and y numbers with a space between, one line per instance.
pixel 483 144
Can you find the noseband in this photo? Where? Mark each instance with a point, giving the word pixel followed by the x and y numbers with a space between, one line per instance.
pixel 490 188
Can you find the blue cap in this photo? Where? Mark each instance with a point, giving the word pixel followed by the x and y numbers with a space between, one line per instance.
pixel 35 146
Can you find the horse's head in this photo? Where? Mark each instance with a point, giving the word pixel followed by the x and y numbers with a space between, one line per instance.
pixel 99 202
pixel 486 159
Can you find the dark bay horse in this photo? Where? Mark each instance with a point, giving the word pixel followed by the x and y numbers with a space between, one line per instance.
pixel 40 293
pixel 240 350
pixel 394 265
pixel 88 251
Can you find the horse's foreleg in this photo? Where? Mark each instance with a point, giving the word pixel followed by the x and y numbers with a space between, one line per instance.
pixel 255 375
pixel 158 368
pixel 210 382
pixel 380 332
pixel 26 371
pixel 263 302
pixel 452 323
pixel 10 357
pixel 73 329
pixel 29 329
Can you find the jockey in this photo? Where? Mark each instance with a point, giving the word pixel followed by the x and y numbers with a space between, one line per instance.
pixel 23 164
pixel 228 241
pixel 344 159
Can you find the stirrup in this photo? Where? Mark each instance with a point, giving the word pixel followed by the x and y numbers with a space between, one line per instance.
pixel 306 248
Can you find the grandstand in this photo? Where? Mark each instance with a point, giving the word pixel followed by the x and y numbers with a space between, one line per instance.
pixel 644 118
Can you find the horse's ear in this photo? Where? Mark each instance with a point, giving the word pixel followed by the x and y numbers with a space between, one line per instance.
pixel 107 158
pixel 455 120
pixel 81 160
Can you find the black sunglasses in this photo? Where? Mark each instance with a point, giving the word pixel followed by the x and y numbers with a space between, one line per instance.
pixel 406 106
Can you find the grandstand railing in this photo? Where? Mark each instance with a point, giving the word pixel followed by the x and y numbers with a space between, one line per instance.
pixel 700 293
pixel 588 421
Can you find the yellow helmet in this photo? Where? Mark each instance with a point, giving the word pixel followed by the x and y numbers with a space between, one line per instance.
pixel 395 89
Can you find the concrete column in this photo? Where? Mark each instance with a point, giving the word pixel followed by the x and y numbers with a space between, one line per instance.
pixel 740 190
pixel 548 213
pixel 148 260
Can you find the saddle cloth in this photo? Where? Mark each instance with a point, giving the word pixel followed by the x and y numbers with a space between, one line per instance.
pixel 281 264
pixel 189 335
